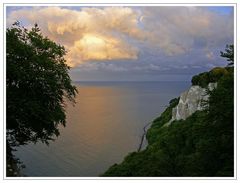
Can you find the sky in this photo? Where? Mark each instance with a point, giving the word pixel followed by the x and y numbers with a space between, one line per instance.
pixel 122 43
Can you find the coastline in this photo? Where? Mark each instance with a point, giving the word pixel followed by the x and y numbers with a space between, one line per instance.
pixel 143 137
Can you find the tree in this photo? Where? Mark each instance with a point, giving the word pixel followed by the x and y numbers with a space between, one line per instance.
pixel 37 85
pixel 229 54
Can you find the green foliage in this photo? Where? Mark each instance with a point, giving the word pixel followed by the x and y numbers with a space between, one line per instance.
pixel 202 145
pixel 37 85
pixel 164 157
pixel 229 54
pixel 153 133
pixel 203 79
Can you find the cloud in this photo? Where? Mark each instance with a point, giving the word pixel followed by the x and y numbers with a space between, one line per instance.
pixel 121 33
pixel 89 34
pixel 94 47
pixel 177 30
pixel 210 55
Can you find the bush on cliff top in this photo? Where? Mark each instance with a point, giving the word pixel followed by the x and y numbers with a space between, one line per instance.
pixel 212 76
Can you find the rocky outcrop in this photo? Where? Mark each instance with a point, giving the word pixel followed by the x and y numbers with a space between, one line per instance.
pixel 191 101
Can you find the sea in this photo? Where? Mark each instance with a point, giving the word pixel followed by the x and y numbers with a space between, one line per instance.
pixel 103 126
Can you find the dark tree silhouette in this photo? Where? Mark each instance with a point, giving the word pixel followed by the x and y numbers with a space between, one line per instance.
pixel 37 86
pixel 229 54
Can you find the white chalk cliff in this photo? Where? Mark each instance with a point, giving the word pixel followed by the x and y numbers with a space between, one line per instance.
pixel 190 101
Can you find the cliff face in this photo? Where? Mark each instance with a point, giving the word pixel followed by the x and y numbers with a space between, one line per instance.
pixel 190 102
pixel 202 144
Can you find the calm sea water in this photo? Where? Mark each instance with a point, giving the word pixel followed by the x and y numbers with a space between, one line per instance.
pixel 105 125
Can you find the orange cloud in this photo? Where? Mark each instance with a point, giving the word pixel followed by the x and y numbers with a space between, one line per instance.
pixel 89 34
pixel 95 47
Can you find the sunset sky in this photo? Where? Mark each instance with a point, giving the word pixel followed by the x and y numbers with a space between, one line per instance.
pixel 134 43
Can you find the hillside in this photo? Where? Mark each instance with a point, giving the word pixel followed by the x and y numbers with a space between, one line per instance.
pixel 200 145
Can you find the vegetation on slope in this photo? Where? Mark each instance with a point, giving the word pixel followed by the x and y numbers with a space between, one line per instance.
pixel 201 145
